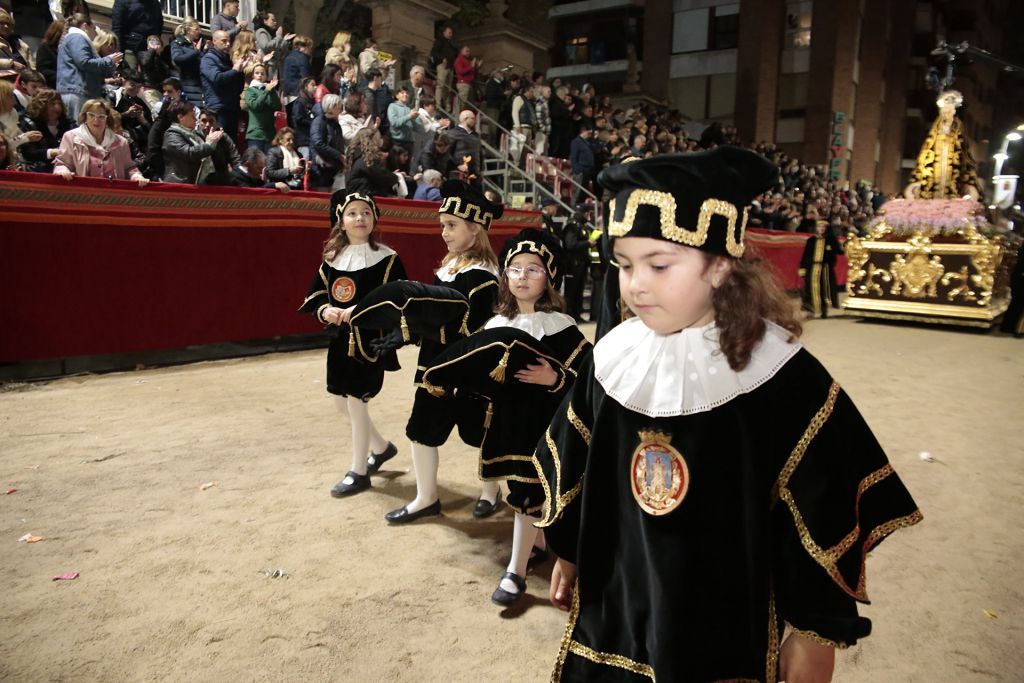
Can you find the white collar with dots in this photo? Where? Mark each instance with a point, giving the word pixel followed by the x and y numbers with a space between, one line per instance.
pixel 682 373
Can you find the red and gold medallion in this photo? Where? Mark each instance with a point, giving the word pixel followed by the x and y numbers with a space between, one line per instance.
pixel 658 474
pixel 343 289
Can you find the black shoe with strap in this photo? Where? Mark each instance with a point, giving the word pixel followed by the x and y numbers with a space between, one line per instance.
pixel 375 460
pixel 360 482
pixel 502 597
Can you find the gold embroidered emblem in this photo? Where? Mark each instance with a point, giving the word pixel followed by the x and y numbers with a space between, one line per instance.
pixel 658 474
pixel 343 289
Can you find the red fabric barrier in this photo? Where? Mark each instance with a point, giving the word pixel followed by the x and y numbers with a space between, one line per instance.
pixel 784 251
pixel 95 267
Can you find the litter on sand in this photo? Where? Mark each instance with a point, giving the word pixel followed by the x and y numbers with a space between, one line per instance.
pixel 275 573
pixel 207 485
pixel 66 576
pixel 10 491
pixel 30 538
pixel 990 615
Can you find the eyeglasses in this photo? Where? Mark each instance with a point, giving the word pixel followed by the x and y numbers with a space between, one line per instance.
pixel 530 272
pixel 94 115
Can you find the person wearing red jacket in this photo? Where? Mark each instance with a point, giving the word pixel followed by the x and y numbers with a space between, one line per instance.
pixel 466 69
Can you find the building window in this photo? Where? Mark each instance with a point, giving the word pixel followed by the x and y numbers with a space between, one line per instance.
pixel 577 50
pixel 798 23
pixel 725 28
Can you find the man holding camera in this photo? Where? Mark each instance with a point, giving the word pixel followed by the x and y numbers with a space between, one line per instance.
pixel 132 21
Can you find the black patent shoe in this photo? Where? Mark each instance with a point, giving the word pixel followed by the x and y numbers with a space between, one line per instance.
pixel 403 516
pixel 360 482
pixel 375 460
pixel 502 597
pixel 484 509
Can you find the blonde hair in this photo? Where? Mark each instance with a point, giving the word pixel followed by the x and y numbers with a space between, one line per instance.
pixel 83 114
pixel 479 253
pixel 186 24
pixel 245 42
pixel 103 41
pixel 340 38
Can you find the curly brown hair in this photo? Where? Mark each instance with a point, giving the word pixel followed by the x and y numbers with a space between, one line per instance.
pixel 39 106
pixel 749 295
pixel 366 141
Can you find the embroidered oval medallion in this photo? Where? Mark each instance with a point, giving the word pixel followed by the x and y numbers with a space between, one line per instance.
pixel 658 474
pixel 343 289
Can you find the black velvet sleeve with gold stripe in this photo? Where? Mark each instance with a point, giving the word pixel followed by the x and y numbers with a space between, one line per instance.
pixel 317 298
pixel 836 498
pixel 481 288
pixel 561 463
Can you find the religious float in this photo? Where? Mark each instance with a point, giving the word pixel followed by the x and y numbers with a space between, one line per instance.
pixel 933 257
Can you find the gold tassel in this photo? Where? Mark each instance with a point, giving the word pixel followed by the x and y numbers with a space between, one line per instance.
pixel 487 417
pixel 498 373
pixel 464 330
pixel 442 335
pixel 405 330
pixel 352 342
pixel 432 390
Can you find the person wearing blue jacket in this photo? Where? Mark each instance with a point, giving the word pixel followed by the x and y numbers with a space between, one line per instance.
pixel 297 65
pixel 80 71
pixel 402 120
pixel 132 21
pixel 223 82
pixel 187 54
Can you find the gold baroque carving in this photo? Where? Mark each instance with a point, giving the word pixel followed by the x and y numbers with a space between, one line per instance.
pixel 915 275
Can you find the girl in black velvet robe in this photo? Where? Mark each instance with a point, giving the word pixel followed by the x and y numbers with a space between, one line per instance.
pixel 528 301
pixel 471 268
pixel 707 482
pixel 354 264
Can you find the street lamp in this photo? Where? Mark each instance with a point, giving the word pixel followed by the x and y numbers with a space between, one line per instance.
pixel 1004 187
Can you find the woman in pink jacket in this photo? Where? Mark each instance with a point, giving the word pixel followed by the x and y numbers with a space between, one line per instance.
pixel 94 150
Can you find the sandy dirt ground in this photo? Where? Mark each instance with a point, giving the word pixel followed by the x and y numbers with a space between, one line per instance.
pixel 108 470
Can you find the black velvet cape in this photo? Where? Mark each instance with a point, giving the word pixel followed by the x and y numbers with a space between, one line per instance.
pixel 361 372
pixel 787 492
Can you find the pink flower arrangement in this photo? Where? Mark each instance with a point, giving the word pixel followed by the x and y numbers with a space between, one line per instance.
pixel 931 216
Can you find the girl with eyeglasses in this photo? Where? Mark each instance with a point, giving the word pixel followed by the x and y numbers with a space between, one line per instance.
pixel 528 300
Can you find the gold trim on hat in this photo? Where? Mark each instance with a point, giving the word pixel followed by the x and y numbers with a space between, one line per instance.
pixel 666 205
pixel 541 250
pixel 472 212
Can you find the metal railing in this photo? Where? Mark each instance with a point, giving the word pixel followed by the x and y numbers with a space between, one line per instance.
pixel 201 10
pixel 512 169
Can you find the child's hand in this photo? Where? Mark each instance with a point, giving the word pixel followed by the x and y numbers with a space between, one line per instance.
pixel 335 315
pixel 801 660
pixel 563 578
pixel 541 373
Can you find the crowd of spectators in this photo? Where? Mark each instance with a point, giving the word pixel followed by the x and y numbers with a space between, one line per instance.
pixel 243 107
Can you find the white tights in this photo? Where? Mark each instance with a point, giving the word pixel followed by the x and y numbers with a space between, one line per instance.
pixel 365 437
pixel 524 535
pixel 424 463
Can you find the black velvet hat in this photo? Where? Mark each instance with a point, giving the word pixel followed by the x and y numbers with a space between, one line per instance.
pixel 533 241
pixel 487 361
pixel 466 201
pixel 340 200
pixel 699 199
pixel 413 307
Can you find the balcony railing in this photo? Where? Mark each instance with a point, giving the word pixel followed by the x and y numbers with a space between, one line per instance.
pixel 201 10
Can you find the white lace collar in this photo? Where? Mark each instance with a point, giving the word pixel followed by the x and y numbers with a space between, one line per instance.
pixel 682 373
pixel 537 325
pixel 359 256
pixel 447 275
